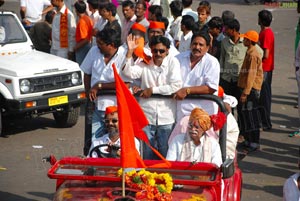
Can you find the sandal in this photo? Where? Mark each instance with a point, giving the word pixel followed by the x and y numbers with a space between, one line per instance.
pixel 295 134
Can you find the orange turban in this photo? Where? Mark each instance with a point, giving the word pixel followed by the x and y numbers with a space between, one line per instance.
pixel 137 26
pixel 202 117
pixel 156 25
pixel 110 109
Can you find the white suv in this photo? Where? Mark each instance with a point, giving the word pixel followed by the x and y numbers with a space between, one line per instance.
pixel 33 82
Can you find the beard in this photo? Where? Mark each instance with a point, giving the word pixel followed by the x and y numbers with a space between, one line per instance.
pixel 113 132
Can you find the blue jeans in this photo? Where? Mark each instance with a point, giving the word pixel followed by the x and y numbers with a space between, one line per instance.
pixel 98 126
pixel 81 53
pixel 158 136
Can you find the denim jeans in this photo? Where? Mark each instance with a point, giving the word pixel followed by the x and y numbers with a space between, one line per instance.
pixel 98 126
pixel 158 136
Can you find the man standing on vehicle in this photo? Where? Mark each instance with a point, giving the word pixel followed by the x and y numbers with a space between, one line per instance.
pixel 160 76
pixel 200 75
pixel 98 75
pixel 63 31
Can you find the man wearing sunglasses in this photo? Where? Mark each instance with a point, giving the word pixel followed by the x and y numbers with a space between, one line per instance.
pixel 160 76
pixel 112 137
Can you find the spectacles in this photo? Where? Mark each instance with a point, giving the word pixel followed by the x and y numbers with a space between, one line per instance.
pixel 161 51
pixel 107 121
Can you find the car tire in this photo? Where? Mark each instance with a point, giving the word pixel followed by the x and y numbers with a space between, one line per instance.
pixel 67 118
pixel 1 124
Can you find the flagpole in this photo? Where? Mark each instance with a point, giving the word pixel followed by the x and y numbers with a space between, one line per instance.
pixel 123 182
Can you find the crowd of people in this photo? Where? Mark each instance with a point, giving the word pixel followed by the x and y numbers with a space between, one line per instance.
pixel 167 50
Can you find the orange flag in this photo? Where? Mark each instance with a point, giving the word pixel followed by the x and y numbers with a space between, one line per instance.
pixel 132 121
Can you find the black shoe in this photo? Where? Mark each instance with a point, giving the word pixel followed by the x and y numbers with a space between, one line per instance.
pixel 267 128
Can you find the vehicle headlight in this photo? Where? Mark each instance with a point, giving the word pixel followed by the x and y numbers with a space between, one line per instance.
pixel 75 79
pixel 25 86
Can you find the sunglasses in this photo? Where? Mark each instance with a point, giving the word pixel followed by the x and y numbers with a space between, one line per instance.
pixel 161 51
pixel 110 120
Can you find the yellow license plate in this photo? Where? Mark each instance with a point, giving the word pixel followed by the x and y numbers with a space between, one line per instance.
pixel 58 100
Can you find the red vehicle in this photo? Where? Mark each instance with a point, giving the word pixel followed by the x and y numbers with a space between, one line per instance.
pixel 98 179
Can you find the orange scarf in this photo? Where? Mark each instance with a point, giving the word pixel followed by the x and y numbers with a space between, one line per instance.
pixel 139 51
pixel 64 29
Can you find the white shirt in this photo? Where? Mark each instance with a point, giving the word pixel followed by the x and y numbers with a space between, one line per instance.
pixel 205 72
pixel 175 148
pixel 94 65
pixel 165 80
pixel 56 30
pixel 105 140
pixel 290 189
pixel 189 11
pixel 34 9
pixel 175 29
pixel 185 42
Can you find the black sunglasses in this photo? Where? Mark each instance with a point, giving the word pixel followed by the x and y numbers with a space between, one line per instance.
pixel 161 51
pixel 110 120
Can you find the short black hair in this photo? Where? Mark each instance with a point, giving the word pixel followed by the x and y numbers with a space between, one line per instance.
pixel 80 6
pixel 156 10
pixel 227 15
pixel 265 17
pixel 109 36
pixel 111 8
pixel 205 3
pixel 102 3
pixel 128 3
pixel 160 39
pixel 142 2
pixel 49 16
pixel 215 22
pixel 188 21
pixel 94 3
pixel 203 34
pixel 176 8
pixel 187 3
pixel 233 24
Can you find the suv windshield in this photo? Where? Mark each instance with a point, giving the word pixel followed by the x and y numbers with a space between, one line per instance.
pixel 10 30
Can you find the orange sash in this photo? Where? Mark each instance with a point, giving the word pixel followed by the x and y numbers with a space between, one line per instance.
pixel 64 29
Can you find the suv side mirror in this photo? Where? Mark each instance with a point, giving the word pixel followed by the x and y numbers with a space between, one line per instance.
pixel 228 168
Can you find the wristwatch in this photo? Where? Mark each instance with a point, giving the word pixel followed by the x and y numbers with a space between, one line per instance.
pixel 188 91
pixel 99 85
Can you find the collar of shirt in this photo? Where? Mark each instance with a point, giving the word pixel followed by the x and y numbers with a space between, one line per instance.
pixel 188 35
pixel 107 141
pixel 63 9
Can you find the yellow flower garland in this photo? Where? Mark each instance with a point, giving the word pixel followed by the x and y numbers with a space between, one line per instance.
pixel 147 182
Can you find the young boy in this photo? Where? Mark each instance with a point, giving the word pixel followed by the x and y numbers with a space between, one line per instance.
pixel 249 82
pixel 266 42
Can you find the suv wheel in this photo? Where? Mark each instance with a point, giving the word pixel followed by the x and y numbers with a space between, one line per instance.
pixel 67 118
pixel 1 124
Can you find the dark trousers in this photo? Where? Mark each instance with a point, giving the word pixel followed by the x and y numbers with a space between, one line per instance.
pixel 230 88
pixel 89 108
pixel 265 100
pixel 248 117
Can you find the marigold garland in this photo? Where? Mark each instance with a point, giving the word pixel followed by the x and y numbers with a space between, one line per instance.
pixel 153 186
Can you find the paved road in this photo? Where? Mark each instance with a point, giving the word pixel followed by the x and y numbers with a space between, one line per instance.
pixel 264 172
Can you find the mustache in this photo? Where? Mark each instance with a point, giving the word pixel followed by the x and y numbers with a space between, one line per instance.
pixel 193 132
pixel 196 50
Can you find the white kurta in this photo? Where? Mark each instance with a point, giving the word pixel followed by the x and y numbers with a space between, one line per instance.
pixel 175 149
pixel 165 80
pixel 34 9
pixel 205 72
pixel 55 48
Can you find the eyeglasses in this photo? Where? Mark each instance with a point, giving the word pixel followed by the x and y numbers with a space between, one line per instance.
pixel 107 121
pixel 161 51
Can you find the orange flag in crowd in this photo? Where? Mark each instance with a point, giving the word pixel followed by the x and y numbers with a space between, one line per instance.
pixel 132 121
